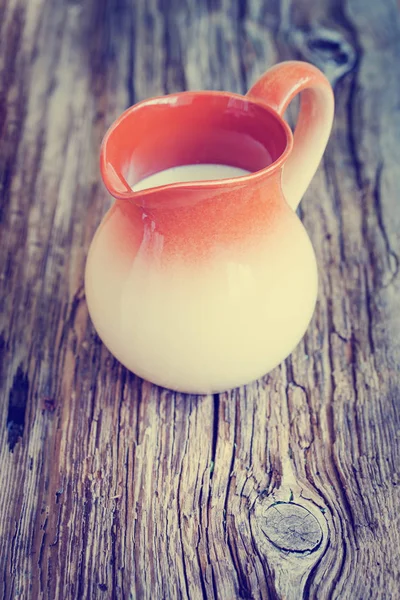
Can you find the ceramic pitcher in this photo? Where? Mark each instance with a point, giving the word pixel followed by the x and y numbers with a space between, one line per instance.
pixel 204 285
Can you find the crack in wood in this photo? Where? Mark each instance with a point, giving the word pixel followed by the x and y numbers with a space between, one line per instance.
pixel 17 402
pixel 379 217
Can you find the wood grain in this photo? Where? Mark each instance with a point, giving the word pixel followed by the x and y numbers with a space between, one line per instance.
pixel 113 488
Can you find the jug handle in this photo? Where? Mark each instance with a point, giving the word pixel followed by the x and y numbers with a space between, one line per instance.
pixel 277 88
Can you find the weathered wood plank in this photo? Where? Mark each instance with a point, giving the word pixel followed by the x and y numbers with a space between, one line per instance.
pixel 111 487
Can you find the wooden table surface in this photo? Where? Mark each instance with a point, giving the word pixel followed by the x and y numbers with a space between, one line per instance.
pixel 113 488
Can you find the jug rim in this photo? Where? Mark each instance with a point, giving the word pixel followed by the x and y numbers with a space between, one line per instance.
pixel 125 191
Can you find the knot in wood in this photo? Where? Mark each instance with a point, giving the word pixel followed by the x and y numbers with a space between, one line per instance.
pixel 291 527
pixel 328 49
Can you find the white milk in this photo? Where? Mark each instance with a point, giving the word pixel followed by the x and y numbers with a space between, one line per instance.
pixel 211 325
pixel 187 173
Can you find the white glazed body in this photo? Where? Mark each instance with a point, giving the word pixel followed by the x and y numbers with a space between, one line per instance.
pixel 208 327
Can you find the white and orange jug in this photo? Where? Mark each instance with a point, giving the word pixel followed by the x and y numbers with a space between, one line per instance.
pixel 201 277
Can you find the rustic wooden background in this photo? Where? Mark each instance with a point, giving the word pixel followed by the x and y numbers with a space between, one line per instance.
pixel 113 488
